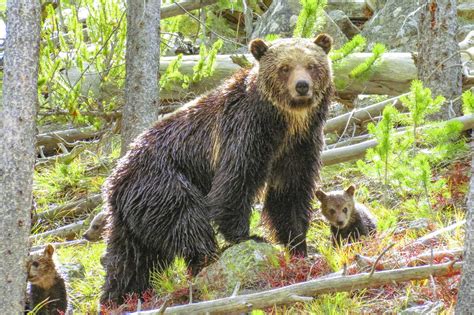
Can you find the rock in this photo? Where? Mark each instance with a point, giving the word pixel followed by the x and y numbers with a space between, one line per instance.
pixel 344 23
pixel 240 263
pixel 395 26
pixel 281 17
pixel 426 308
pixel 355 9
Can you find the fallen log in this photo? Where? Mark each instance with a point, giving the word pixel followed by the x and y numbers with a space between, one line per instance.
pixel 357 151
pixel 64 231
pixel 337 124
pixel 71 209
pixel 305 290
pixel 433 235
pixel 61 158
pixel 174 9
pixel 49 140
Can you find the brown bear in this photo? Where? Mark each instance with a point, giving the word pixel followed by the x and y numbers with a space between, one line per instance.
pixel 47 285
pixel 203 167
pixel 349 219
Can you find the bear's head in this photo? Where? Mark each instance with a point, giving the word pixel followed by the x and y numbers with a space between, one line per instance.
pixel 293 73
pixel 338 206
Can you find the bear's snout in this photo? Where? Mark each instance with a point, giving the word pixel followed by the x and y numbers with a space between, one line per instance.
pixel 302 87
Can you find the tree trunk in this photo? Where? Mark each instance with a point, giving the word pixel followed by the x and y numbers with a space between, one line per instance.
pixel 465 303
pixel 439 61
pixel 17 148
pixel 142 58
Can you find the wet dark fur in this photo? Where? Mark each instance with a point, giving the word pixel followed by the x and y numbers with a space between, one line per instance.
pixel 206 164
pixel 360 224
pixel 56 294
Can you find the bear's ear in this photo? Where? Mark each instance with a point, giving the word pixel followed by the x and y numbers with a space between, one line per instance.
pixel 351 190
pixel 321 195
pixel 324 41
pixel 258 48
pixel 49 250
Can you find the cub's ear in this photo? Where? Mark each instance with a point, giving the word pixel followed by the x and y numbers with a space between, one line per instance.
pixel 321 195
pixel 49 250
pixel 351 190
pixel 258 48
pixel 324 41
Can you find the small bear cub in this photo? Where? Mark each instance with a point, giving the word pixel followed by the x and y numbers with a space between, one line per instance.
pixel 349 219
pixel 46 283
pixel 96 228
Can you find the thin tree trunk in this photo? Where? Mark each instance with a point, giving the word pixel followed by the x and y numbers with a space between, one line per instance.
pixel 465 303
pixel 17 148
pixel 439 61
pixel 142 58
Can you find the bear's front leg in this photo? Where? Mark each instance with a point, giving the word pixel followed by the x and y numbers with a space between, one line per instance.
pixel 287 207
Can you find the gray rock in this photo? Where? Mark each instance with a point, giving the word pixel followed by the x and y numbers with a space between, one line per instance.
pixel 281 18
pixel 240 263
pixel 428 308
pixel 344 23
pixel 395 26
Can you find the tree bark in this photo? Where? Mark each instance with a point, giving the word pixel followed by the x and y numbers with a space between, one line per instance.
pixel 17 148
pixel 142 58
pixel 465 303
pixel 439 61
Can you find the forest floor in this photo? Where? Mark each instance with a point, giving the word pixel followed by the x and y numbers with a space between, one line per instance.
pixel 402 219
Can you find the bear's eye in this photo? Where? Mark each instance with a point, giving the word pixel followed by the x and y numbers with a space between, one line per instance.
pixel 344 210
pixel 311 66
pixel 332 211
pixel 35 264
pixel 285 69
pixel 95 227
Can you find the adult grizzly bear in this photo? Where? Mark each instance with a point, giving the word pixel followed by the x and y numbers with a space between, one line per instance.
pixel 206 164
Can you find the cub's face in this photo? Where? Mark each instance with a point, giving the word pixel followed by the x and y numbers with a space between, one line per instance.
pixel 337 206
pixel 295 72
pixel 41 268
pixel 96 228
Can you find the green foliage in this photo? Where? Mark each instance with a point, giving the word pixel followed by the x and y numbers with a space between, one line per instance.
pixel 84 292
pixel 204 68
pixel 410 171
pixel 271 37
pixel 357 43
pixel 334 304
pixel 80 42
pixel 171 279
pixel 310 19
pixel 468 102
pixel 363 68
pixel 383 132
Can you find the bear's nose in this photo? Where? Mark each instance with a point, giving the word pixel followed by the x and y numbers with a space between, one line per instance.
pixel 302 87
pixel 340 223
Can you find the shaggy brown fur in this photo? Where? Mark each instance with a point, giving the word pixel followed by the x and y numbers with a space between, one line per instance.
pixel 206 163
pixel 349 219
pixel 96 228
pixel 46 283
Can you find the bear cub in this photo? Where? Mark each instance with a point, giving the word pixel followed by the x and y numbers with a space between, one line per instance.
pixel 47 285
pixel 349 219
pixel 96 228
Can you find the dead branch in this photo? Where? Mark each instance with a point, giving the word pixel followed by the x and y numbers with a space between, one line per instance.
pixel 294 293
pixel 175 9
pixel 71 209
pixel 338 123
pixel 428 237
pixel 62 158
pixel 64 231
pixel 357 151
pixel 50 140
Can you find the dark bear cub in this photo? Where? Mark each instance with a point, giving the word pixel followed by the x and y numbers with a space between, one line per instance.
pixel 205 164
pixel 349 219
pixel 47 285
